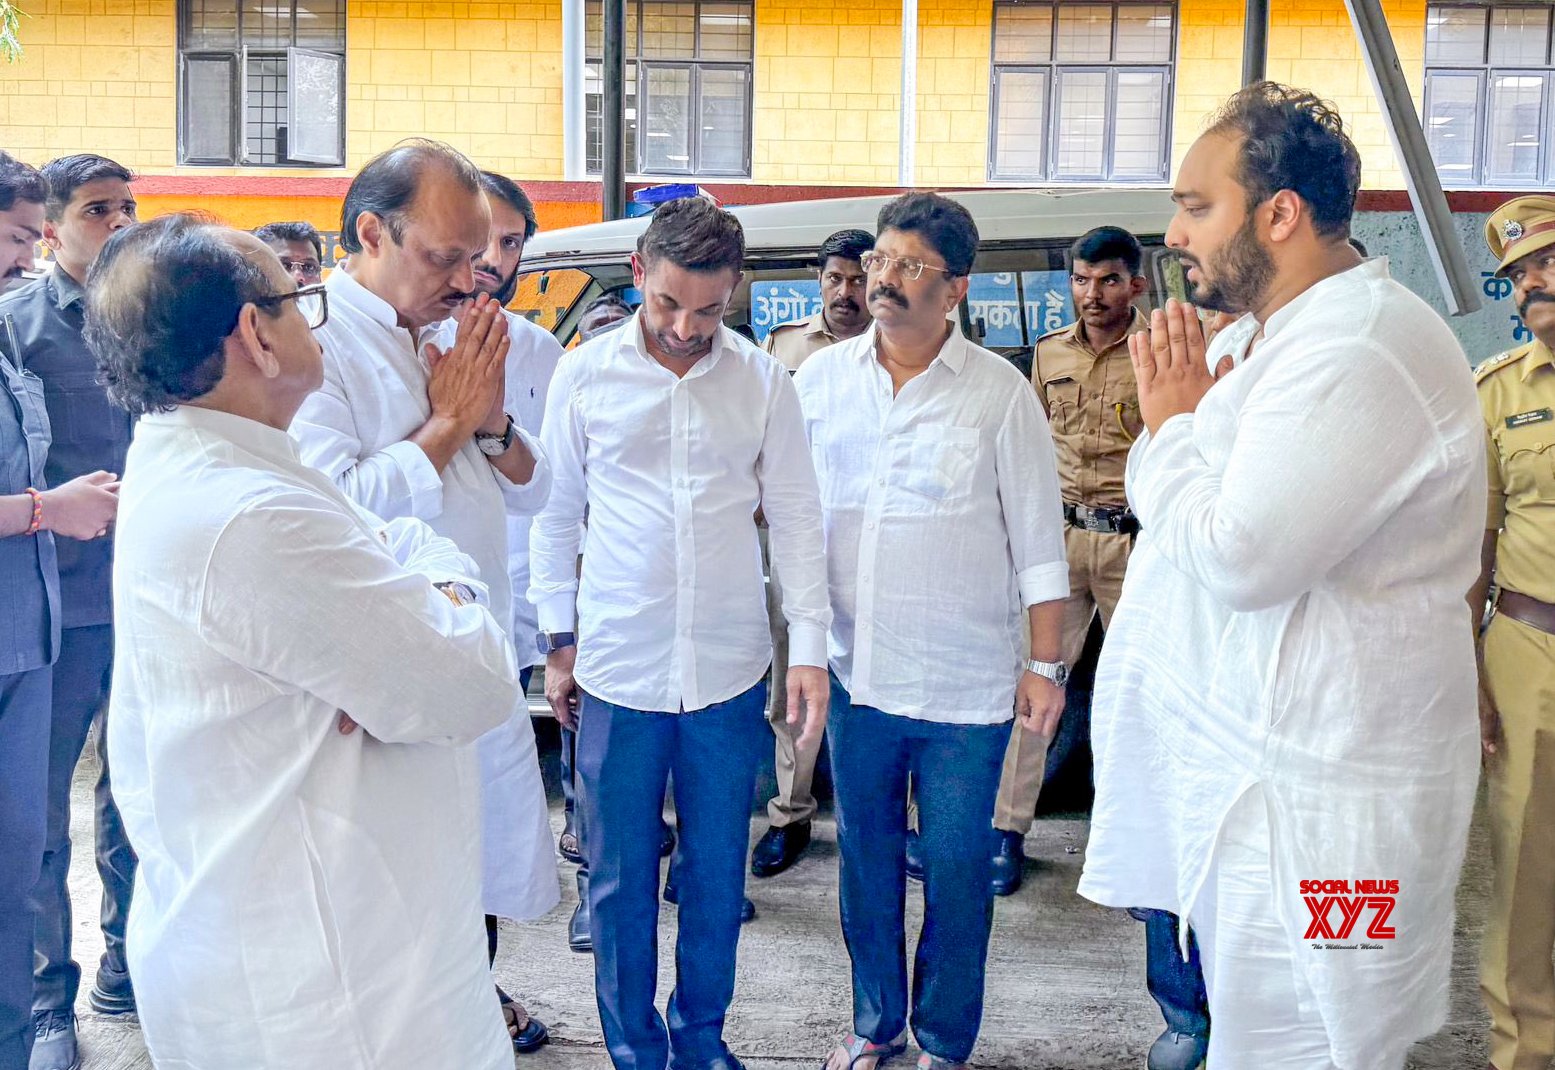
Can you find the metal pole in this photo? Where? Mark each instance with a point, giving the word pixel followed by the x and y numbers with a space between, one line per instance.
pixel 1425 187
pixel 1255 41
pixel 907 133
pixel 613 117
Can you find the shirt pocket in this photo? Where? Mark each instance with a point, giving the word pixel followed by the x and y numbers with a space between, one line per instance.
pixel 1063 402
pixel 1528 461
pixel 934 463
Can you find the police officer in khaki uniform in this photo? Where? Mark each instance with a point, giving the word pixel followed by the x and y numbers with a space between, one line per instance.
pixel 1086 382
pixel 843 315
pixel 1517 650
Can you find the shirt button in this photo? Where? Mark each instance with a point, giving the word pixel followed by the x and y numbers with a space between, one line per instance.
pixel 879 482
pixel 680 482
pixel 870 525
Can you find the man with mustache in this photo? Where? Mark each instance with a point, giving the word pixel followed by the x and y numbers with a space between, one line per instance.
pixel 843 315
pixel 670 431
pixel 1517 647
pixel 944 532
pixel 409 425
pixel 1285 696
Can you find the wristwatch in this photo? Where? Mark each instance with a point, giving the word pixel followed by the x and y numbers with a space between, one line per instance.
pixel 460 594
pixel 496 445
pixel 1056 671
pixel 552 641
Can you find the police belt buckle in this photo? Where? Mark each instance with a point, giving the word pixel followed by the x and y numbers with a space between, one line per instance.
pixel 1107 521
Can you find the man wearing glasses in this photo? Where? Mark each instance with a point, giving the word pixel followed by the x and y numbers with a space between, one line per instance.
pixel 300 247
pixel 944 532
pixel 297 689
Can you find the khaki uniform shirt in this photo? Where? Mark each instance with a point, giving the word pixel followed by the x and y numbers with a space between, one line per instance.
pixel 1517 398
pixel 793 343
pixel 1092 402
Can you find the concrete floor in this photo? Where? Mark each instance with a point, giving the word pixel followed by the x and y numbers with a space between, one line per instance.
pixel 1066 986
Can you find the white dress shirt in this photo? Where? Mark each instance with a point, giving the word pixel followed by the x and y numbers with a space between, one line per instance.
pixel 355 430
pixel 531 364
pixel 305 900
pixel 671 611
pixel 1293 625
pixel 943 522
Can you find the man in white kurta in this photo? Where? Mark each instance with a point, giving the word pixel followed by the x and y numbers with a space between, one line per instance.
pixel 374 429
pixel 1287 693
pixel 308 891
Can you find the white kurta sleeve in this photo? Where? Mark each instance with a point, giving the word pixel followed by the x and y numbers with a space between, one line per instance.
pixel 398 480
pixel 791 502
pixel 1027 471
pixel 1326 449
pixel 526 499
pixel 420 549
pixel 308 596
pixel 554 536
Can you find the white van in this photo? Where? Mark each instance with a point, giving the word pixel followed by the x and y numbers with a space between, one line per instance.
pixel 1019 291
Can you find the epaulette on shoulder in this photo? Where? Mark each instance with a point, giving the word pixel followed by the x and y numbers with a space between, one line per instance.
pixel 1494 364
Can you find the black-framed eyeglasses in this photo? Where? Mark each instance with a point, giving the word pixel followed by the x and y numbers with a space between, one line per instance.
pixel 910 266
pixel 312 302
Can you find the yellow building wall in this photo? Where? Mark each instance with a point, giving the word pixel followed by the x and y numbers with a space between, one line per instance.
pixel 828 81
pixel 955 41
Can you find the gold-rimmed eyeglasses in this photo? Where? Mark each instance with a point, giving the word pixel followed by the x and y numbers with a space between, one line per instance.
pixel 312 302
pixel 910 266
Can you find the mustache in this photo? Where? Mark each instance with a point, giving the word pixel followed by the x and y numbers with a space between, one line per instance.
pixel 846 304
pixel 884 292
pixel 1534 299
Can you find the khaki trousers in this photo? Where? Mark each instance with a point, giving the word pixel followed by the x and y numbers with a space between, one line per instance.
pixel 1097 561
pixel 1517 978
pixel 793 804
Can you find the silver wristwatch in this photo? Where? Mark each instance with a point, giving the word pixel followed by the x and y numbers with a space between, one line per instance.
pixel 496 445
pixel 1056 671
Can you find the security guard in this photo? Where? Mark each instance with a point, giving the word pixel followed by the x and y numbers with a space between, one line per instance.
pixel 1517 649
pixel 844 314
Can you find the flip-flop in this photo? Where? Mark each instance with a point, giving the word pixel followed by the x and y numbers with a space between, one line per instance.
pixel 530 1038
pixel 858 1047
pixel 934 1062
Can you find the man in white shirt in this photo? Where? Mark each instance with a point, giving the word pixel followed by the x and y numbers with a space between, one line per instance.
pixel 1292 643
pixel 944 527
pixel 293 695
pixel 407 432
pixel 671 431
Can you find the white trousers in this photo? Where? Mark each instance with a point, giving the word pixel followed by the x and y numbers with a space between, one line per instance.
pixel 1258 1019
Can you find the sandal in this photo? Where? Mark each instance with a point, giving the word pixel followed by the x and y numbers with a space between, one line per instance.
pixel 857 1047
pixel 532 1036
pixel 934 1062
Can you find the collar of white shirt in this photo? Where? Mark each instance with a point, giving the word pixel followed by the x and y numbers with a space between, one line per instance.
pixel 1368 272
pixel 343 288
pixel 630 339
pixel 257 438
pixel 952 354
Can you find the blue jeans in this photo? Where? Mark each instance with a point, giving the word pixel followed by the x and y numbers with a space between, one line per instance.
pixel 25 699
pixel 1175 985
pixel 955 776
pixel 624 760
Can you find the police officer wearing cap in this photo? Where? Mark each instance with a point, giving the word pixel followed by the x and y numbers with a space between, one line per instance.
pixel 1517 647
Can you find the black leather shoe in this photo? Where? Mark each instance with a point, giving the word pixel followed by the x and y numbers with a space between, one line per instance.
pixel 666 838
pixel 111 998
pixel 580 931
pixel 54 1041
pixel 779 848
pixel 747 908
pixel 1009 858
pixel 914 855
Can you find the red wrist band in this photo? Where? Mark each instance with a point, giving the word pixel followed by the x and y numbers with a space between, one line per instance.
pixel 37 511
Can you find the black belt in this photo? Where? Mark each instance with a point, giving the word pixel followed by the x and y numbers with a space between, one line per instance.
pixel 1112 520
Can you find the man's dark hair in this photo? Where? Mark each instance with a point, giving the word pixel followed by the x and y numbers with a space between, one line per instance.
pixel 20 182
pixel 1359 246
pixel 162 297
pixel 69 173
pixel 945 224
pixel 509 192
pixel 1291 139
pixel 846 244
pixel 298 231
pixel 1108 243
pixel 695 234
pixel 386 186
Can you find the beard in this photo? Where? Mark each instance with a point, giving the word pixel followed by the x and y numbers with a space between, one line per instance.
pixel 505 291
pixel 1239 275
